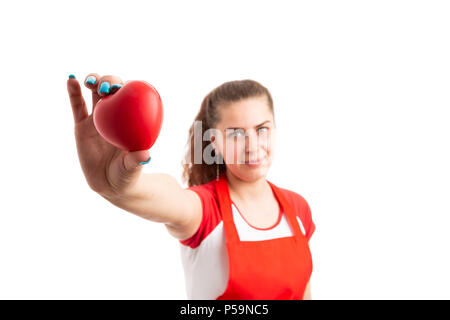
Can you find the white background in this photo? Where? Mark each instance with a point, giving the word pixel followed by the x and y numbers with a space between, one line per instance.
pixel 361 92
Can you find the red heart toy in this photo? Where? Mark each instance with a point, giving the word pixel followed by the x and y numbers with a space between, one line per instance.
pixel 131 118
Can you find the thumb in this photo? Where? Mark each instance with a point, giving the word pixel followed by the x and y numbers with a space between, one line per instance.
pixel 135 159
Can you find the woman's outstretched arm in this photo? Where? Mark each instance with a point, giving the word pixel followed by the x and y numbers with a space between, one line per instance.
pixel 160 198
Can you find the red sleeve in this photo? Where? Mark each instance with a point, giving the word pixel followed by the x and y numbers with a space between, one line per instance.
pixel 303 211
pixel 310 227
pixel 210 214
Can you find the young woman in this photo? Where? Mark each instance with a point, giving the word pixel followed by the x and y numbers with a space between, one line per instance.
pixel 241 236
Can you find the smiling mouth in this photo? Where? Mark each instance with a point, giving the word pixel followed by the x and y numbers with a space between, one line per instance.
pixel 255 161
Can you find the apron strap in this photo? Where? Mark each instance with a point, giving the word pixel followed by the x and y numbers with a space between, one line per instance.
pixel 223 193
pixel 288 209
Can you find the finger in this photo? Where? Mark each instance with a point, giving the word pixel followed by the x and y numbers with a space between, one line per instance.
pixel 79 108
pixel 108 85
pixel 91 82
pixel 134 159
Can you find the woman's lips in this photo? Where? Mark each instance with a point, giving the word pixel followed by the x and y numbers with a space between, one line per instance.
pixel 254 163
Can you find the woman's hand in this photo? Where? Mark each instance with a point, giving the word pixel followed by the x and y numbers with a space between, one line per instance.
pixel 109 170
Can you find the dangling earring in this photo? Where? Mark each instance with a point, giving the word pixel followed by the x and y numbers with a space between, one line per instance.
pixel 217 167
pixel 217 164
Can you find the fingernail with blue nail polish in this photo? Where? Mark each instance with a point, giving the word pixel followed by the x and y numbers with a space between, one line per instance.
pixel 115 87
pixel 72 76
pixel 91 80
pixel 104 87
pixel 145 162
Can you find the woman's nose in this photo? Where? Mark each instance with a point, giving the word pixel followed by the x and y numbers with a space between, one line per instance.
pixel 251 142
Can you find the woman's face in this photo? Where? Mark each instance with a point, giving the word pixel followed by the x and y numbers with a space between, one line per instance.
pixel 247 138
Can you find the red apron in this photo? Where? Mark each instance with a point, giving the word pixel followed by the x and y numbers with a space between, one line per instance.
pixel 275 269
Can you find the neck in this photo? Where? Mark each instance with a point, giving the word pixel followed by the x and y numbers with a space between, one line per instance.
pixel 245 190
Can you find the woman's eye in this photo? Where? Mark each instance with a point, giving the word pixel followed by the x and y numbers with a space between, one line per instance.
pixel 236 133
pixel 265 129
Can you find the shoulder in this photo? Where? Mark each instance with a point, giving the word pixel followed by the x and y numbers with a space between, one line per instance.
pixel 211 216
pixel 207 195
pixel 295 199
pixel 205 190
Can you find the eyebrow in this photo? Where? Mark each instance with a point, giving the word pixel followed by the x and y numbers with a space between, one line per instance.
pixel 259 125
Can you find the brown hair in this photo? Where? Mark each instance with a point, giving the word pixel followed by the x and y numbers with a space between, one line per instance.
pixel 228 92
